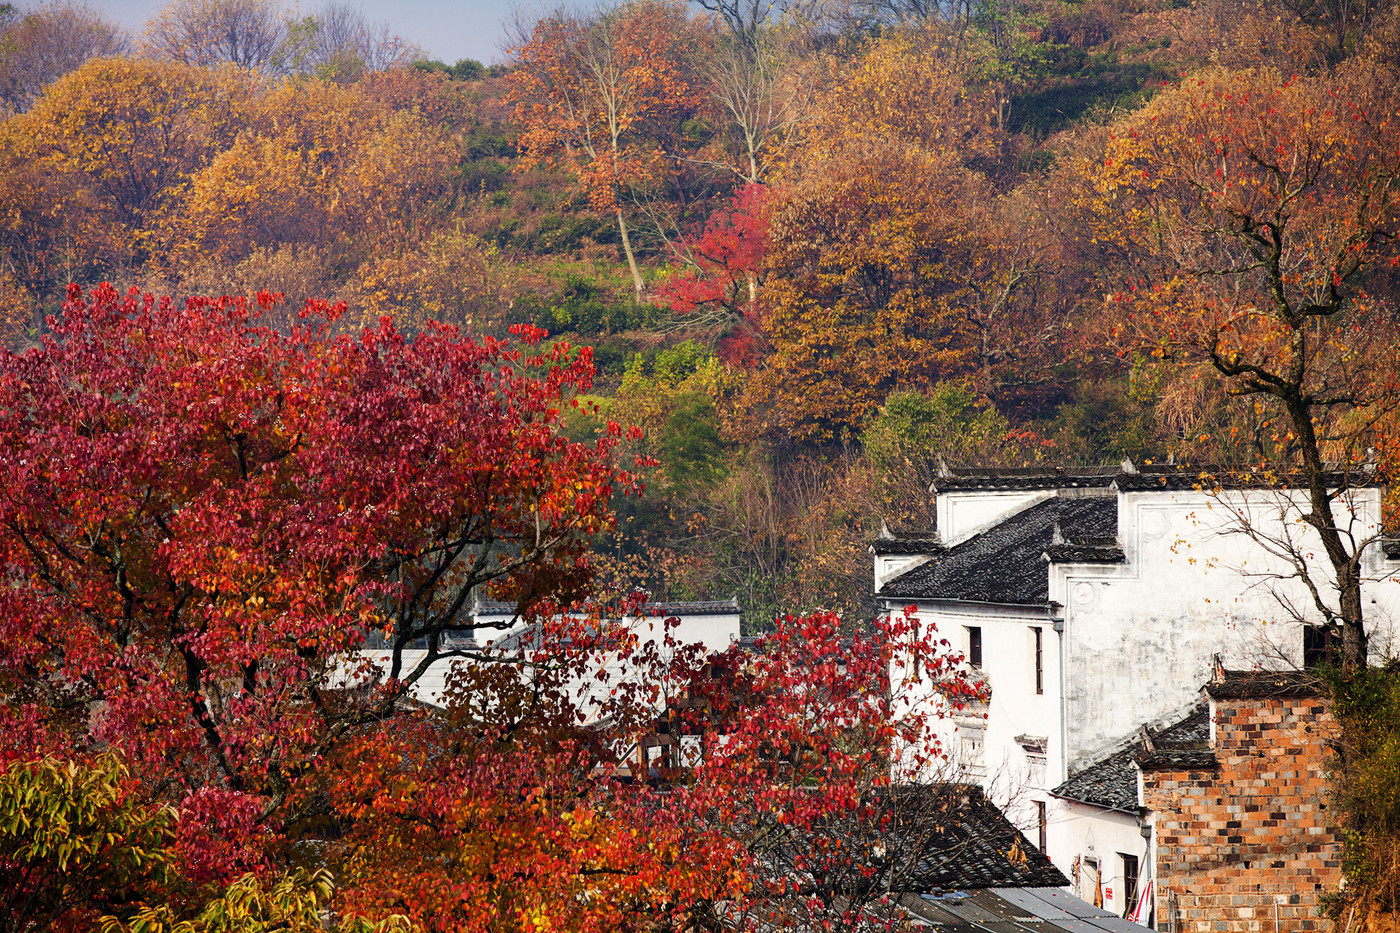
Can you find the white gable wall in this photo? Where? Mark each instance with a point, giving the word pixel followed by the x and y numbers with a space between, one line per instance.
pixel 714 631
pixel 1079 832
pixel 1140 636
pixel 995 745
pixel 963 514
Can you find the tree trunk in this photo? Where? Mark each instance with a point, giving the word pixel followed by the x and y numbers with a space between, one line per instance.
pixel 631 257
pixel 1346 567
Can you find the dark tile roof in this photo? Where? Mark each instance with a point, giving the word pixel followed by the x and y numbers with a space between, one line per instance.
pixel 1241 684
pixel 1176 759
pixel 1084 477
pixel 1130 476
pixel 1111 783
pixel 1004 563
pixel 907 544
pixel 1211 476
pixel 962 842
pixel 695 607
pixel 1084 554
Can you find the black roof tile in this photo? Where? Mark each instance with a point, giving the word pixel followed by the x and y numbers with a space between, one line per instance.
pixel 1128 476
pixel 1177 759
pixel 971 845
pixel 1084 554
pixel 1094 477
pixel 1004 564
pixel 1241 684
pixel 907 544
pixel 1112 782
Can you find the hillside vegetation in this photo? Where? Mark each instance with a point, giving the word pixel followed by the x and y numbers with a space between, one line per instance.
pixel 811 253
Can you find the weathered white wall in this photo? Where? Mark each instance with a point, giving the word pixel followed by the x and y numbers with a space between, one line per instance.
pixel 1013 776
pixel 1078 832
pixel 1140 636
pixel 713 631
pixel 962 514
pixel 1137 640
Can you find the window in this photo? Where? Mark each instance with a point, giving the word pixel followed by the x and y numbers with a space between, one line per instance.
pixel 1320 644
pixel 1038 648
pixel 970 750
pixel 1130 882
pixel 1041 823
pixel 974 645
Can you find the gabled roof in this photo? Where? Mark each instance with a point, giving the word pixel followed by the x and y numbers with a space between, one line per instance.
pixel 1111 782
pixel 1241 684
pixel 964 842
pixel 1004 563
pixel 1128 476
pixel 694 607
pixel 926 543
pixel 1082 477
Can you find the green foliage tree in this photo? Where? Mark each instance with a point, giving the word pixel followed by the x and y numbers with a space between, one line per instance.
pixel 78 839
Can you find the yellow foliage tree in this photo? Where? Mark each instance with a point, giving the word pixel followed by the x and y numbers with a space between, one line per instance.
pixel 449 277
pixel 317 165
pixel 101 155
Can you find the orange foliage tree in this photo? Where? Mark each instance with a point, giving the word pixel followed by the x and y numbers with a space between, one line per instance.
pixel 604 95
pixel 316 164
pixel 867 241
pixel 1260 215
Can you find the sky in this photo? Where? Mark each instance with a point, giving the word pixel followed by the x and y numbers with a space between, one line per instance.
pixel 448 30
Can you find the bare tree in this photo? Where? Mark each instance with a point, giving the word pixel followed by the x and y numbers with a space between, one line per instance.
pixel 248 33
pixel 47 43
pixel 745 18
pixel 341 42
pixel 752 88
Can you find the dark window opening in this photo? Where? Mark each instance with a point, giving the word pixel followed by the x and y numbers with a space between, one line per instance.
pixel 1322 644
pixel 1039 635
pixel 1130 882
pixel 974 645
pixel 1041 823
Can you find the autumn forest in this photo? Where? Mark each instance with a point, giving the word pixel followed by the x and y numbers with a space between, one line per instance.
pixel 739 279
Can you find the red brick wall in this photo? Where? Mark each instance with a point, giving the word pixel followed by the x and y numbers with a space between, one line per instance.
pixel 1254 840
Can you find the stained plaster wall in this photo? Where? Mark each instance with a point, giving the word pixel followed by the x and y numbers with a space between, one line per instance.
pixel 714 631
pixel 1078 832
pixel 1131 643
pixel 1139 637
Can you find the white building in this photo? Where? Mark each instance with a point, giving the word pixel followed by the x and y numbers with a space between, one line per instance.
pixel 498 630
pixel 1093 605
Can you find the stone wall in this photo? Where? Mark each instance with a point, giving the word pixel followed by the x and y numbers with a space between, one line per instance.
pixel 1244 836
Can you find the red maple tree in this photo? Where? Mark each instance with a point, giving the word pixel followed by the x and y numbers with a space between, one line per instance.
pixel 204 524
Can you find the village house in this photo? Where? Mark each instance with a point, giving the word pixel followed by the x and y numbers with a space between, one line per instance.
pixel 498 628
pixel 1093 604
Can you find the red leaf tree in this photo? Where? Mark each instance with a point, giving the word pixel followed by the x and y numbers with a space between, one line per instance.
pixel 203 523
pixel 200 518
pixel 723 269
